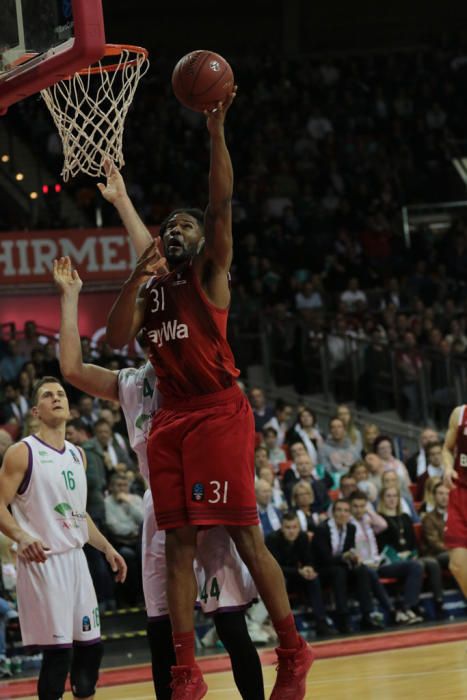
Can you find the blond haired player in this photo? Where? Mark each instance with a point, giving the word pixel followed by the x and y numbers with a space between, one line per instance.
pixel 43 479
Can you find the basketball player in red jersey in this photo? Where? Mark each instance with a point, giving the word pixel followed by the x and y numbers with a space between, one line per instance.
pixel 201 446
pixel 455 477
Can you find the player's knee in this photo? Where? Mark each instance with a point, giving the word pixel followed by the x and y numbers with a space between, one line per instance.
pixel 85 669
pixel 52 677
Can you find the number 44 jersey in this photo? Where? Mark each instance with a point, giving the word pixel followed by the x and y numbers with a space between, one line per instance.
pixel 51 501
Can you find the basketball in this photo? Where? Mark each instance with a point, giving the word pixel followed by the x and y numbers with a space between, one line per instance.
pixel 201 79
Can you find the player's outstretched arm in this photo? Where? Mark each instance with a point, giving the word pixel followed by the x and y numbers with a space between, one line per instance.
pixel 218 245
pixel 450 475
pixel 127 314
pixel 90 378
pixel 116 561
pixel 12 473
pixel 114 191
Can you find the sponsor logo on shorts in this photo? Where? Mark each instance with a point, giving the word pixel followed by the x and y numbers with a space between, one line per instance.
pixel 58 636
pixel 197 492
pixel 86 624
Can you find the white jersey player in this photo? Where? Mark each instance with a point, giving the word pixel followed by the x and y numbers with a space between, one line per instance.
pixel 224 582
pixel 43 479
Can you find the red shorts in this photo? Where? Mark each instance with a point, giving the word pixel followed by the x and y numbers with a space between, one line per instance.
pixel 455 534
pixel 201 461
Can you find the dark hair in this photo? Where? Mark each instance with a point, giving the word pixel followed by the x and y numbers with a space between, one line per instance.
pixel 281 404
pixel 339 500
pixel 348 475
pixel 40 383
pixel 102 421
pixel 383 438
pixel 268 430
pixel 358 496
pixel 77 424
pixel 197 214
pixel 308 410
pixel 438 485
pixel 289 516
pixel 116 477
pixel 435 443
pixel 331 420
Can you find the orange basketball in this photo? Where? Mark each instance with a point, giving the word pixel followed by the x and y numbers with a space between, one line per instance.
pixel 201 79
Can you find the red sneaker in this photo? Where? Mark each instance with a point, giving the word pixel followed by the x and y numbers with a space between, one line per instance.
pixel 292 671
pixel 187 683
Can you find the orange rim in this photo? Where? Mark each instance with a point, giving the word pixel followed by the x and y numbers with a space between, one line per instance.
pixel 116 50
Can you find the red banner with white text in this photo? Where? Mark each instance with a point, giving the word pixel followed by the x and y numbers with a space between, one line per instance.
pixel 100 254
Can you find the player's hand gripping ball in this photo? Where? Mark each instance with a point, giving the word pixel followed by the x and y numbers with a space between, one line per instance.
pixel 201 80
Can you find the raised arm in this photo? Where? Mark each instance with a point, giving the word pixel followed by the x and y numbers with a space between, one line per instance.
pixel 215 260
pixel 114 191
pixel 92 379
pixel 127 314
pixel 450 475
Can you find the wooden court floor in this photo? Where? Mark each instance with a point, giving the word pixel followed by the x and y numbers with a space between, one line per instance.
pixel 433 672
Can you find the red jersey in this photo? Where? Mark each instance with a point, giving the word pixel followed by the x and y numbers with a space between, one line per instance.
pixel 187 336
pixel 460 452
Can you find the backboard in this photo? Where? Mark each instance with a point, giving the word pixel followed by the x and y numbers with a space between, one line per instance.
pixel 43 41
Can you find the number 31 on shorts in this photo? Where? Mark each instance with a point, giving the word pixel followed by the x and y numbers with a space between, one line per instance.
pixel 220 491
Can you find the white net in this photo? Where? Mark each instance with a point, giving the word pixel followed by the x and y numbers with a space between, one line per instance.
pixel 89 111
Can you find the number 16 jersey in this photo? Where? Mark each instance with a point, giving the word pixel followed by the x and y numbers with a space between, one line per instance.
pixel 51 501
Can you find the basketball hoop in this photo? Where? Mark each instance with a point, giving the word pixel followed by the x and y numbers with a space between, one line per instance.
pixel 89 109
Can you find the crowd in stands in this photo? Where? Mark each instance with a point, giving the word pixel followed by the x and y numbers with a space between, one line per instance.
pixel 326 152
pixel 345 516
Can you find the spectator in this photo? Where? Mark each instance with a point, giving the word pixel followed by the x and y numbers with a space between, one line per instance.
pixel 276 455
pixel 390 478
pixel 280 420
pixel 409 363
pixel 400 537
pixel 344 413
pixel 434 468
pixel 12 362
pixel 269 515
pixel 25 384
pixel 302 470
pixel 112 418
pixel 416 464
pixel 305 431
pixel 124 514
pixel 384 448
pixel 347 486
pixel 339 566
pixel 433 526
pixel 16 406
pixel 375 469
pixel 359 471
pixel 30 340
pixel 262 459
pixel 115 458
pixel 262 412
pixel 88 414
pixel 310 297
pixel 354 299
pixel 409 572
pixel 369 435
pixel 428 502
pixel 337 453
pixel 290 548
pixel 303 499
pixel 278 498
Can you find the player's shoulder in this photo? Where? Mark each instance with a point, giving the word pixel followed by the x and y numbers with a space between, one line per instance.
pixel 18 455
